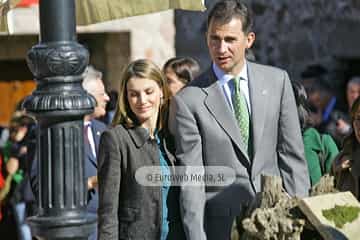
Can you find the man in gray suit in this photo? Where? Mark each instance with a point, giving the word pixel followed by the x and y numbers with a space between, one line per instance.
pixel 240 115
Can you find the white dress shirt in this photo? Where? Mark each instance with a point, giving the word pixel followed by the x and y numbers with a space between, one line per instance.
pixel 90 137
pixel 223 81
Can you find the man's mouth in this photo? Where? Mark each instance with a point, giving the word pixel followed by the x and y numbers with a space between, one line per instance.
pixel 223 59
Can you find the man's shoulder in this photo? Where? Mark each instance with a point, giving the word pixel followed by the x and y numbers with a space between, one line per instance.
pixel 117 132
pixel 98 125
pixel 204 80
pixel 266 69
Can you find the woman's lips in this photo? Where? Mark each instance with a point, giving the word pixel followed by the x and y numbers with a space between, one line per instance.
pixel 143 109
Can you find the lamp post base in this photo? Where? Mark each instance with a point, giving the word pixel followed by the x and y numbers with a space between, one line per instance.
pixel 63 228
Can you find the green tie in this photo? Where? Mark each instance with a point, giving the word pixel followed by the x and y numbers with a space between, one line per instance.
pixel 241 112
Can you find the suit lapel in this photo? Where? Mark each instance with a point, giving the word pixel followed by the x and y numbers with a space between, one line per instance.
pixel 258 94
pixel 96 135
pixel 219 108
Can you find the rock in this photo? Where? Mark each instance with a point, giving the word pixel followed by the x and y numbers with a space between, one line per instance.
pixel 272 215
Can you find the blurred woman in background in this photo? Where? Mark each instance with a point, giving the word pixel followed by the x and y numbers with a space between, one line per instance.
pixel 179 71
pixel 346 167
pixel 320 149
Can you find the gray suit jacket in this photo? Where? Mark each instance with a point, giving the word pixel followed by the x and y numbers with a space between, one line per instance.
pixel 206 134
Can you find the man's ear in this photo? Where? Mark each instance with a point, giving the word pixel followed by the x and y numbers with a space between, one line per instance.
pixel 250 39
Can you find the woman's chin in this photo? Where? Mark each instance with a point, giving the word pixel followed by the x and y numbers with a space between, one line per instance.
pixel 143 118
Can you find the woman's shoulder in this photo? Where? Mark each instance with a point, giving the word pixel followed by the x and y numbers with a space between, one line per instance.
pixel 117 131
pixel 311 137
pixel 311 132
pixel 116 128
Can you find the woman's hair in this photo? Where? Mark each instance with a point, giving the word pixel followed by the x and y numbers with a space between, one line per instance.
pixel 302 105
pixel 141 68
pixel 185 68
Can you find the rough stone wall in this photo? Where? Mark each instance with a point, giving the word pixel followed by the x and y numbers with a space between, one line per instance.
pixel 151 35
pixel 109 52
pixel 289 34
pixel 190 36
pixel 293 34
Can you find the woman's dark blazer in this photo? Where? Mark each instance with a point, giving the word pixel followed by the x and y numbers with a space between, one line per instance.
pixel 128 210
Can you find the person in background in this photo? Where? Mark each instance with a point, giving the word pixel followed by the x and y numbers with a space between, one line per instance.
pixel 128 209
pixel 16 149
pixel 4 135
pixel 179 71
pixel 238 114
pixel 110 108
pixel 6 175
pixel 320 149
pixel 343 125
pixel 93 128
pixel 346 167
pixel 8 226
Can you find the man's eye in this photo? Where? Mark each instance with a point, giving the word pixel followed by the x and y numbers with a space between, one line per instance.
pixel 230 40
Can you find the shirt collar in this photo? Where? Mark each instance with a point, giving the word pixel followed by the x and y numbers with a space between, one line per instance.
pixel 223 77
pixel 139 135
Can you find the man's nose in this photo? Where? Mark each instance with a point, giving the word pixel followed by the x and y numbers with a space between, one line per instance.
pixel 222 46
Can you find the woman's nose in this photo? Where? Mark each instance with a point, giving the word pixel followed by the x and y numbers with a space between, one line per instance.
pixel 142 98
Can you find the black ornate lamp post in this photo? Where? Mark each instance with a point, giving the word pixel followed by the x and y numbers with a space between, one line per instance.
pixel 59 104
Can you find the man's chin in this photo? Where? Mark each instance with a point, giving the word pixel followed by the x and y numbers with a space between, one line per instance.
pixel 224 66
pixel 98 114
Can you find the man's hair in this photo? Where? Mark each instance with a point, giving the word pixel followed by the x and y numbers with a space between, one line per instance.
pixel 224 11
pixel 185 68
pixel 91 74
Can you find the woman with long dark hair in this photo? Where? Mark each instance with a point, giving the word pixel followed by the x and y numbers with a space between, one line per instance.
pixel 320 149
